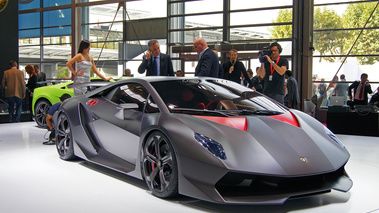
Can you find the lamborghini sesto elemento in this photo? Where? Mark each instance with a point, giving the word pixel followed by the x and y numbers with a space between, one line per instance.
pixel 206 138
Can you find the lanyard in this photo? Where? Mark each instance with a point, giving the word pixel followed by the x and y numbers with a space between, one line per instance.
pixel 272 69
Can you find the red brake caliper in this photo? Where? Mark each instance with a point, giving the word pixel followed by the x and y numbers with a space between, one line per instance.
pixel 153 164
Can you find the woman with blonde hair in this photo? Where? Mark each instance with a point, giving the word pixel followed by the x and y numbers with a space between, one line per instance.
pixel 84 63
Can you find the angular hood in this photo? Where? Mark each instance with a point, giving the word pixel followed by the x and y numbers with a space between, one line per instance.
pixel 271 146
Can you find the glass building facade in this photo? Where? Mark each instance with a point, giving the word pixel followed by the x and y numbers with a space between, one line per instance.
pixel 50 31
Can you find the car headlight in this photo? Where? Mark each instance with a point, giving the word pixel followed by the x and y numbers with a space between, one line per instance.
pixel 333 137
pixel 211 145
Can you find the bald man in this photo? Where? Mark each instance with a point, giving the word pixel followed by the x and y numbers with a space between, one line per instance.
pixel 208 61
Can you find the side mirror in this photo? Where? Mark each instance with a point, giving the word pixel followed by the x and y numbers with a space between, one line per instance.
pixel 126 111
pixel 129 106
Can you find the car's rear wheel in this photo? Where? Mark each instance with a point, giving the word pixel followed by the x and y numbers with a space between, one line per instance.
pixel 40 112
pixel 63 138
pixel 159 166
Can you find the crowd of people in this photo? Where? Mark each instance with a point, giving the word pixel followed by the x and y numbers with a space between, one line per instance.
pixel 357 93
pixel 16 89
pixel 272 78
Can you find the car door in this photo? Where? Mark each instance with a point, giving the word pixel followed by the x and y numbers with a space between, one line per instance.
pixel 118 120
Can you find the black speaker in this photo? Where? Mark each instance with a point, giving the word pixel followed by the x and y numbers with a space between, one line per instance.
pixel 338 109
pixel 366 108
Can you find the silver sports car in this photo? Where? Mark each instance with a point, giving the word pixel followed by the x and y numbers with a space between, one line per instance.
pixel 206 138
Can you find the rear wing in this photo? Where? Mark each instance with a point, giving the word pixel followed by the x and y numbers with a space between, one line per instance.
pixel 90 85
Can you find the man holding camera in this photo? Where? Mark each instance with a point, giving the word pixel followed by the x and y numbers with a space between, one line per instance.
pixel 272 72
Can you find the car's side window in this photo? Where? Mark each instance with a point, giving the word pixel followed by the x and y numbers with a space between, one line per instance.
pixel 130 93
pixel 151 106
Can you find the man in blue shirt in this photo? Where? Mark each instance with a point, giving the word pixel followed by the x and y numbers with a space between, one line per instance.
pixel 50 113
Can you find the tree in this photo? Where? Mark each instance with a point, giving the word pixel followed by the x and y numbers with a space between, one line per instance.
pixel 63 73
pixel 356 16
pixel 327 42
pixel 334 35
pixel 282 31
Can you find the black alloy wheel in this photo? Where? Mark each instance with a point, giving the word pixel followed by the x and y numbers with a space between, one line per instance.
pixel 40 112
pixel 63 138
pixel 159 167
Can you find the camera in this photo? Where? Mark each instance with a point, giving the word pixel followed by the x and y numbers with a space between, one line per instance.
pixel 262 53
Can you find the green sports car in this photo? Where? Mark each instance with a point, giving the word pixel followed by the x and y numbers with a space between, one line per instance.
pixel 45 97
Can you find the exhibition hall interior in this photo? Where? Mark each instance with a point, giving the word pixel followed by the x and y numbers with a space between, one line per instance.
pixel 286 121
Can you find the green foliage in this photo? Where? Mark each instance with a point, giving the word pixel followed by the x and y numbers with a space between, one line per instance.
pixel 338 41
pixel 282 31
pixel 356 16
pixel 327 42
pixel 62 74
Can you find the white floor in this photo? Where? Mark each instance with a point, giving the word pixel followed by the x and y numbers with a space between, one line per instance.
pixel 34 179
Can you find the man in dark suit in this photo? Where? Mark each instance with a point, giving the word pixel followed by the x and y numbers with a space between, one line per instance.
pixel 361 90
pixel 208 61
pixel 246 82
pixel 234 70
pixel 155 62
pixel 41 76
pixel 375 98
pixel 292 98
pixel 220 70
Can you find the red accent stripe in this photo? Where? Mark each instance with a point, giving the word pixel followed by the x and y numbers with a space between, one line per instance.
pixel 236 122
pixel 287 117
pixel 92 102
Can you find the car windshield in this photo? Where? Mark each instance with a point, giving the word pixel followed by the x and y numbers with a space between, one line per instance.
pixel 216 97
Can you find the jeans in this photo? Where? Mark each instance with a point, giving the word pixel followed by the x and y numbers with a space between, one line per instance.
pixel 11 101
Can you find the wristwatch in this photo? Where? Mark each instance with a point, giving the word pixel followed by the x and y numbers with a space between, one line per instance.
pixel 272 62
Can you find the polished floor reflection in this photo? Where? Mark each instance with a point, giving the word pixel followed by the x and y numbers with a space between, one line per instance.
pixel 34 179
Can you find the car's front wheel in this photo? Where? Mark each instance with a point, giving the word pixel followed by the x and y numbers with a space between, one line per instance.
pixel 63 138
pixel 159 166
pixel 40 112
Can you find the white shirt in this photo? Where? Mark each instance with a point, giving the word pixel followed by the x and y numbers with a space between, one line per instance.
pixel 358 91
pixel 202 52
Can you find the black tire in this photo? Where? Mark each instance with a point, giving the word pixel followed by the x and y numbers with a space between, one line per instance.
pixel 40 112
pixel 159 166
pixel 63 138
